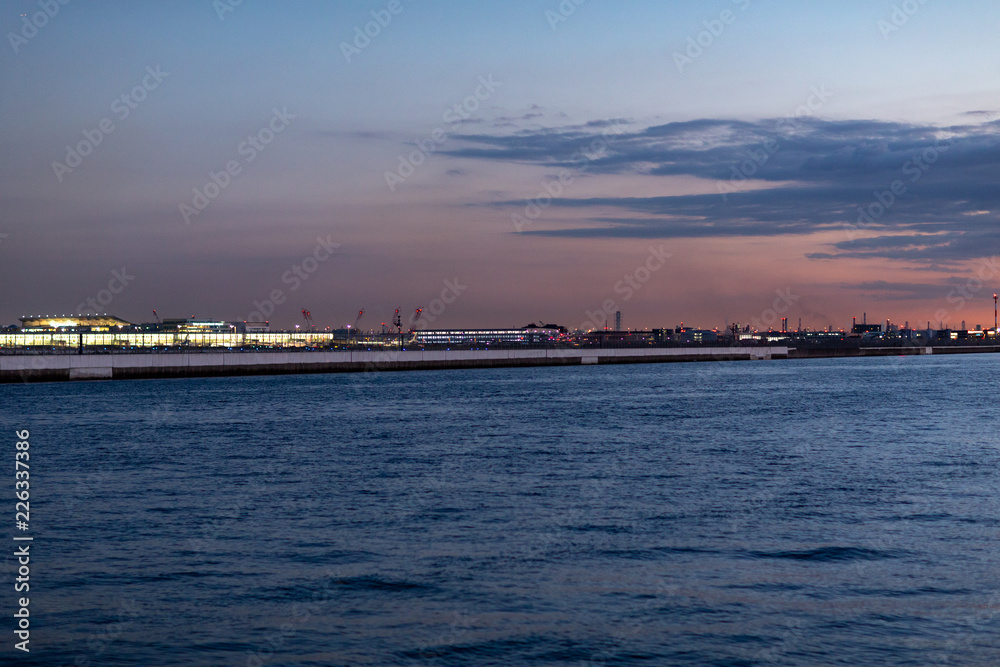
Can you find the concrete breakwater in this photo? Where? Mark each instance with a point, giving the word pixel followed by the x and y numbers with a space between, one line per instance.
pixel 123 366
pixel 56 367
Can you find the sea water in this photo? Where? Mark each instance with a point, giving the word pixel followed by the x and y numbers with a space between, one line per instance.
pixel 799 512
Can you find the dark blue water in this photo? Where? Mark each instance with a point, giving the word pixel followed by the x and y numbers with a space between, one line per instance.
pixel 831 512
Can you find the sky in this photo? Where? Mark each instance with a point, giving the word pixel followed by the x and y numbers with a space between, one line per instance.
pixel 501 163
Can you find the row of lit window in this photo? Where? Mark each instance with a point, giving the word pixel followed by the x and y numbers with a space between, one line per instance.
pixel 156 339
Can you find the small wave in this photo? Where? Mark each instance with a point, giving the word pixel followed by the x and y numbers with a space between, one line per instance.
pixel 173 576
pixel 768 587
pixel 828 554
pixel 524 650
pixel 629 554
pixel 370 583
pixel 498 648
pixel 911 592
pixel 612 529
pixel 686 550
pixel 927 517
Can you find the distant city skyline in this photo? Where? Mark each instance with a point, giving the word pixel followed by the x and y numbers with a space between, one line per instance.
pixel 423 320
pixel 515 161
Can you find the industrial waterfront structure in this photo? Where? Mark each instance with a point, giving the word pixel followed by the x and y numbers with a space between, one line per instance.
pixel 107 347
pixel 95 323
pixel 91 332
pixel 531 335
pixel 107 333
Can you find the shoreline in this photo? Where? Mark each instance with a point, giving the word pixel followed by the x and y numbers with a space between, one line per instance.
pixel 126 366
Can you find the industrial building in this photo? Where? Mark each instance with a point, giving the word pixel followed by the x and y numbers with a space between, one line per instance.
pixel 527 336
pixel 683 334
pixel 78 332
pixel 106 333
pixel 73 323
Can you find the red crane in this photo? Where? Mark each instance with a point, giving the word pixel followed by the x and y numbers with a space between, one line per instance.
pixel 307 316
pixel 416 318
pixel 356 320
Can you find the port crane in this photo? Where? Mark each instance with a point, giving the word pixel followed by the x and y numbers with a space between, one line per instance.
pixel 413 324
pixel 307 316
pixel 357 320
pixel 416 318
pixel 398 323
pixel 157 317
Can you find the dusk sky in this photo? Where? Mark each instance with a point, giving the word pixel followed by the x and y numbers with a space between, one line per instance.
pixel 678 161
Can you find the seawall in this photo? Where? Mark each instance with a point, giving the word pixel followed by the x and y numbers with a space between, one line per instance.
pixel 62 367
pixel 59 367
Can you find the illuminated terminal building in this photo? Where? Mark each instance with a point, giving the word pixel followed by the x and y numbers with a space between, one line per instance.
pixel 94 331
pixel 527 336
pixel 191 325
pixel 80 332
pixel 73 323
